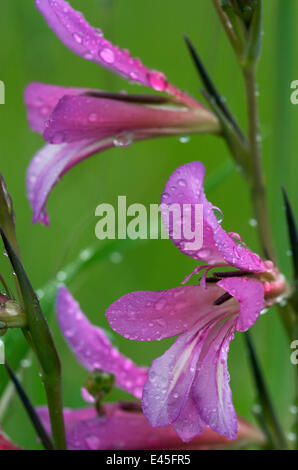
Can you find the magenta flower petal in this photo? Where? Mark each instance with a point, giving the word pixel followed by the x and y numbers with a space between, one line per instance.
pixel 211 390
pixel 146 316
pixel 49 164
pixel 185 186
pixel 250 295
pixel 88 42
pixel 169 387
pixel 93 349
pixel 120 429
pixel 83 117
pixel 41 100
pixel 170 379
pixel 189 423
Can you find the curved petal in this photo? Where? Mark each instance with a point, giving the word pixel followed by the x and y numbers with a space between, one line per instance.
pixel 130 430
pixel 88 42
pixel 84 117
pixel 41 99
pixel 147 316
pixel 170 378
pixel 185 186
pixel 93 349
pixel 211 390
pixel 189 423
pixel 49 164
pixel 250 295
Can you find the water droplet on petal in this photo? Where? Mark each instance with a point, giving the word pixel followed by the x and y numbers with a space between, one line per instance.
pixel 98 32
pixel 182 183
pixel 107 55
pixel 78 38
pixel 124 139
pixel 92 442
pixel 58 138
pixel 92 117
pixel 218 214
pixel 157 80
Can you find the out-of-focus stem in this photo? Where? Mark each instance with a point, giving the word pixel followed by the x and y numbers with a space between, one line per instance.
pixel 257 182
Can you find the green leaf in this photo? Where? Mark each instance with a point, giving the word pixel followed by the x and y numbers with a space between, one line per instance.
pixel 7 216
pixel 293 233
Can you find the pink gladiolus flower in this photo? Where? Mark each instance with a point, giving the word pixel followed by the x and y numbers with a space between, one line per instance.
pixel 121 425
pixel 78 123
pixel 188 386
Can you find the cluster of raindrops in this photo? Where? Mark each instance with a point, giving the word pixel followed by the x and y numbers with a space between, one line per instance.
pixel 91 43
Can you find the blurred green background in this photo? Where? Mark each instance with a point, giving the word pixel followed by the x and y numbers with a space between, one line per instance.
pixel 153 31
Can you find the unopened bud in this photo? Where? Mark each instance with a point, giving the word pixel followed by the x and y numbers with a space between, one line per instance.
pixel 12 314
pixel 99 383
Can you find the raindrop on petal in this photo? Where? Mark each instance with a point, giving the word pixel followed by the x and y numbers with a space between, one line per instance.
pixel 218 214
pixel 124 139
pixel 107 56
pixel 157 80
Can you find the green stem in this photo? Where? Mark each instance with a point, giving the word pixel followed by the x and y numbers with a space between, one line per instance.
pixel 40 339
pixel 257 180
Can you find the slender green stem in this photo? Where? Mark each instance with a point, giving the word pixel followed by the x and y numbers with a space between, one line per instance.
pixel 257 181
pixel 39 337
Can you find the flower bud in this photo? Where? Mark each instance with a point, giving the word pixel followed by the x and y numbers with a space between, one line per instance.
pixel 12 315
pixel 99 383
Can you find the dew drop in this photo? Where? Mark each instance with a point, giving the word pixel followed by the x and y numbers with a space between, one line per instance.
pixel 92 442
pixel 58 138
pixel 184 139
pixel 116 257
pixel 78 38
pixel 157 80
pixel 123 140
pixel 98 32
pixel 61 276
pixel 218 214
pixel 293 409
pixel 107 55
pixel 182 183
pixel 92 117
pixel 253 222
pixel 26 363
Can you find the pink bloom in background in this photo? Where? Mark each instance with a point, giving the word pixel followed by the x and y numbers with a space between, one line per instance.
pixel 78 123
pixel 5 443
pixel 188 386
pixel 122 425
